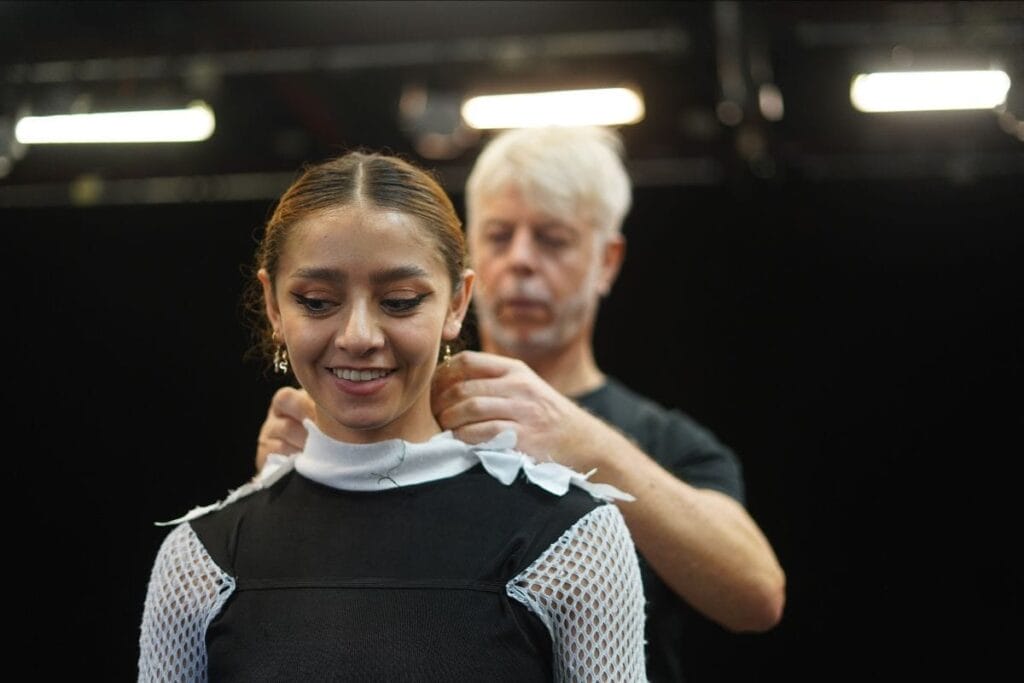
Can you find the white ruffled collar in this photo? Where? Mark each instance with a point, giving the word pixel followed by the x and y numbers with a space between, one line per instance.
pixel 395 463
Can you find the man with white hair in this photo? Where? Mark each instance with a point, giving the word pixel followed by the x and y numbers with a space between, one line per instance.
pixel 544 214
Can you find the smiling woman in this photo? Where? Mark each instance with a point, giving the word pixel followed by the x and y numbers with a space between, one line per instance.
pixel 362 303
pixel 388 549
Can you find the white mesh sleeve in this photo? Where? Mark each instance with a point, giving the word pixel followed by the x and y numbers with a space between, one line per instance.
pixel 186 591
pixel 587 590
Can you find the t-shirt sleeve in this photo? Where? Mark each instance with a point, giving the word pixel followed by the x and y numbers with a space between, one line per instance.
pixel 675 440
pixel 695 455
pixel 186 590
pixel 586 589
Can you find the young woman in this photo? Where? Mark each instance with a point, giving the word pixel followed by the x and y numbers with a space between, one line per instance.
pixel 387 549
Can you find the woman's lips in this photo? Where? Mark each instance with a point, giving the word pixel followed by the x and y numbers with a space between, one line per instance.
pixel 351 380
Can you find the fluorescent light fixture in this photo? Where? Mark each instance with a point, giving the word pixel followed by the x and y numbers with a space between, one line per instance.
pixel 929 90
pixel 595 107
pixel 192 124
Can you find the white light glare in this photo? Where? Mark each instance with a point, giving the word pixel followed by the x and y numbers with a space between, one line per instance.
pixel 594 107
pixel 929 90
pixel 192 124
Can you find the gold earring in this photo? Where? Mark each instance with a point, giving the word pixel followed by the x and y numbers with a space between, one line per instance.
pixel 447 354
pixel 280 356
pixel 281 360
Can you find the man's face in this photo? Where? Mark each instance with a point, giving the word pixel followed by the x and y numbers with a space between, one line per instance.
pixel 539 278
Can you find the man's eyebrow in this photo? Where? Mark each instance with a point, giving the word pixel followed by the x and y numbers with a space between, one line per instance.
pixel 546 224
pixel 555 224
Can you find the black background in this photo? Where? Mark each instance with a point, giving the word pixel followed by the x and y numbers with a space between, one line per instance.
pixel 857 340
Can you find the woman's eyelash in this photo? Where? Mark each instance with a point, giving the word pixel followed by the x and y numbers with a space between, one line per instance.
pixel 310 304
pixel 392 305
pixel 404 304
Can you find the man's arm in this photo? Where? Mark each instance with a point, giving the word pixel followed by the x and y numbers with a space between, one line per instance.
pixel 702 543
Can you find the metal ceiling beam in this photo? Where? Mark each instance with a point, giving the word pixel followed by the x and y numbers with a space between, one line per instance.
pixel 93 190
pixel 507 51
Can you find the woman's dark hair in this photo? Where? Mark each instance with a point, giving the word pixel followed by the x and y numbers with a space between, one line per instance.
pixel 371 179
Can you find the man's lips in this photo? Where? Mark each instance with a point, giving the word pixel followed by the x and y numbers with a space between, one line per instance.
pixel 524 309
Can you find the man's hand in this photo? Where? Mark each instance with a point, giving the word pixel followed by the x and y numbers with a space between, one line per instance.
pixel 283 432
pixel 477 395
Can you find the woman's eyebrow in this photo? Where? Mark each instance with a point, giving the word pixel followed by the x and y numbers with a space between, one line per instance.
pixel 321 273
pixel 335 275
pixel 397 273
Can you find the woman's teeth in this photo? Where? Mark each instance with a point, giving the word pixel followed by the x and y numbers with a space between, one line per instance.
pixel 359 375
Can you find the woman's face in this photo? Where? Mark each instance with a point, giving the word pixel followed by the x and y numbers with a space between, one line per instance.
pixel 363 302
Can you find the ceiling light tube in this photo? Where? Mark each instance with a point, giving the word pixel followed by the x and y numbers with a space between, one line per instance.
pixel 595 107
pixel 192 124
pixel 929 90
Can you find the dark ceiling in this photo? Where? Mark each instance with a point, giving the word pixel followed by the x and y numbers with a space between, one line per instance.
pixel 295 81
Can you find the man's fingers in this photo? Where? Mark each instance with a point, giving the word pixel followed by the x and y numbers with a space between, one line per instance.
pixel 472 365
pixel 468 389
pixel 483 431
pixel 275 446
pixel 483 364
pixel 285 430
pixel 477 409
pixel 292 403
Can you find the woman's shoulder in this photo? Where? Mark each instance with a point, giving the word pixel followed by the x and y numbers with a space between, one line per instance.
pixel 276 469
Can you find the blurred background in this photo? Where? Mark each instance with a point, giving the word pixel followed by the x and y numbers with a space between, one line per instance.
pixel 836 293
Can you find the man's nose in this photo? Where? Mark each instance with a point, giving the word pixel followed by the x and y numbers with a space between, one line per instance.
pixel 522 250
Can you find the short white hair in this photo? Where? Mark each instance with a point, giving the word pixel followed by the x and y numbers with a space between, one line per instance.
pixel 568 172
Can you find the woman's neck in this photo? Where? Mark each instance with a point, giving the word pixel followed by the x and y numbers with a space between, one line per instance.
pixel 416 426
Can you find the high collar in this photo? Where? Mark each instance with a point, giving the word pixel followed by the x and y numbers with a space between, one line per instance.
pixel 382 465
pixel 394 463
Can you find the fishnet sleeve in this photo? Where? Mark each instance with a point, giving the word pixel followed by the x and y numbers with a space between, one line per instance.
pixel 587 590
pixel 186 590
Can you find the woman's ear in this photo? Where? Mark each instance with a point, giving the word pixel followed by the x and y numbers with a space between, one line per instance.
pixel 269 300
pixel 459 306
pixel 614 251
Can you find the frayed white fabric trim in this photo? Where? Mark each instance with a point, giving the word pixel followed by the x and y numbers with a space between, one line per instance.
pixel 395 463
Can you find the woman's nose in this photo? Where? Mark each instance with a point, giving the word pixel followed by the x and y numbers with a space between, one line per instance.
pixel 359 333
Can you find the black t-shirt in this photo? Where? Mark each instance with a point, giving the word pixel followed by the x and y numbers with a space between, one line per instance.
pixel 674 630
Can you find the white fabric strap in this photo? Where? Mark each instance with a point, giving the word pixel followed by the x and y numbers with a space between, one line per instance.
pixel 276 467
pixel 503 463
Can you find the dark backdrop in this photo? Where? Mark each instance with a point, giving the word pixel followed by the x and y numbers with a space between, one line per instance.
pixel 857 343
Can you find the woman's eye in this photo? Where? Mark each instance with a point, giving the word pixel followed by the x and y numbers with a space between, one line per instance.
pixel 311 304
pixel 402 304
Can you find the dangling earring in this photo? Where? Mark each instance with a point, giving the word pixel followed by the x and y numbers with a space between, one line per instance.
pixel 280 356
pixel 447 354
pixel 281 360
